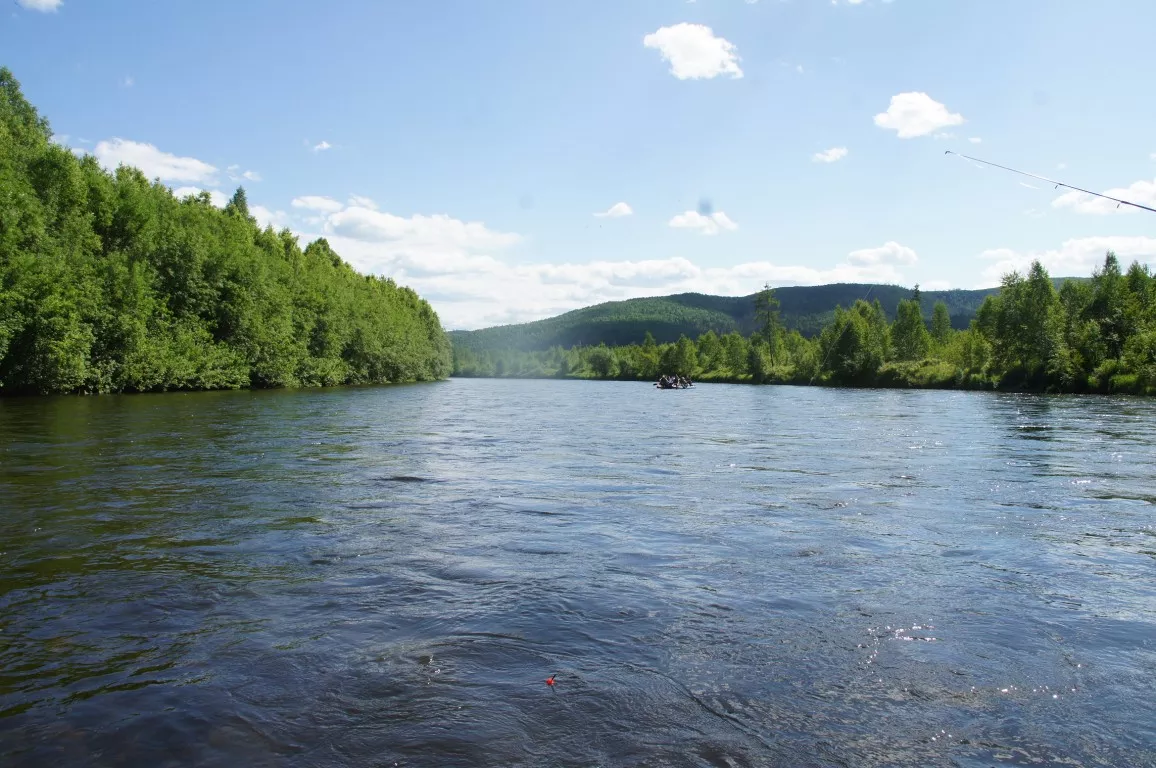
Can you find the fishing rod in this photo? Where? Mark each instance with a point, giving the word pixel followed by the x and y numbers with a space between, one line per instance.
pixel 1058 184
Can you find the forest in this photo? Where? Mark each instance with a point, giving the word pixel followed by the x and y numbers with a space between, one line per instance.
pixel 805 308
pixel 110 283
pixel 1089 335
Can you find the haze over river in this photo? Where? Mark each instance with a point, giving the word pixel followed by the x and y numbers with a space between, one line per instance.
pixel 723 576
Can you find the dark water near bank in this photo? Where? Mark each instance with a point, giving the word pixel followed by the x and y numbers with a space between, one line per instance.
pixel 727 576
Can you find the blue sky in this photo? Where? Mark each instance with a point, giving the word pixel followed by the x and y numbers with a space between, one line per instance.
pixel 465 146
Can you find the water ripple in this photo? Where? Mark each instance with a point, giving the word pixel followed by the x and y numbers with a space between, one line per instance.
pixel 738 576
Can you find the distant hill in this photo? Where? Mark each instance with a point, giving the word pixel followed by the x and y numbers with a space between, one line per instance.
pixel 805 308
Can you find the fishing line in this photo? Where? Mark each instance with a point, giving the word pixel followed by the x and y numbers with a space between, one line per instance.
pixel 1058 184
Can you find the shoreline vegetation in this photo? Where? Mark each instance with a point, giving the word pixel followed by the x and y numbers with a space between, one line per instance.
pixel 1087 336
pixel 111 283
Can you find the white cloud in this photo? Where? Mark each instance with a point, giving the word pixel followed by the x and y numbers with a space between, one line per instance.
pixel 153 163
pixel 502 293
pixel 916 114
pixel 44 6
pixel 890 252
pixel 317 203
pixel 235 174
pixel 470 288
pixel 945 135
pixel 1142 192
pixel 421 231
pixel 1074 258
pixel 617 210
pixel 269 218
pixel 1152 156
pixel 127 82
pixel 694 52
pixel 707 224
pixel 322 146
pixel 975 140
pixel 834 154
pixel 215 195
pixel 466 270
pixel 362 202
pixel 1062 166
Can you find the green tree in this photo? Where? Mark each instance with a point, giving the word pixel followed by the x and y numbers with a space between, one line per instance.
pixel 767 318
pixel 735 353
pixel 759 362
pixel 1109 308
pixel 109 283
pixel 709 351
pixel 855 344
pixel 940 324
pixel 909 333
pixel 603 362
pixel 238 204
pixel 680 358
pixel 1023 325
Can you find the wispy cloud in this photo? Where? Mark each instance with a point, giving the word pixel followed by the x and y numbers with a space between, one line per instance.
pixel 321 146
pixel 704 223
pixel 236 174
pixel 832 155
pixel 317 203
pixel 363 202
pixel 44 6
pixel 615 211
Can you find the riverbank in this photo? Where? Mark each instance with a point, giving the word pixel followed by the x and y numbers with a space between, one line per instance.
pixel 922 374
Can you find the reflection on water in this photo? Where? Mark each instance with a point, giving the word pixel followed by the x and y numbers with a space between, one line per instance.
pixel 723 576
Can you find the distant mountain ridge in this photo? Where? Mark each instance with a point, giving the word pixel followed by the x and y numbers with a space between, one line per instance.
pixel 616 323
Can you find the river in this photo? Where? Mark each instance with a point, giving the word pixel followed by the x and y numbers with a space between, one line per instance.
pixel 723 576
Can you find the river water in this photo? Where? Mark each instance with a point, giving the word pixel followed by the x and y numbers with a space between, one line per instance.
pixel 724 576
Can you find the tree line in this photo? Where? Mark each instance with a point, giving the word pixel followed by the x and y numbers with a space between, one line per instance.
pixel 1096 335
pixel 110 283
pixel 807 309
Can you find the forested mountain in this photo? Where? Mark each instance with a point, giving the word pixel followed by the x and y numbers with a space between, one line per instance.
pixel 109 283
pixel 804 308
pixel 1090 335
